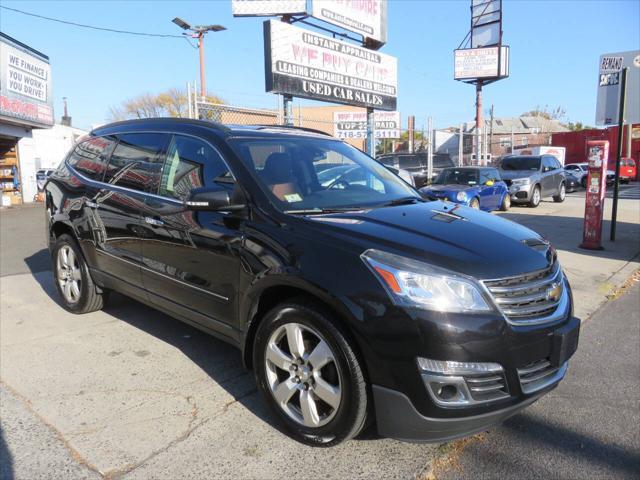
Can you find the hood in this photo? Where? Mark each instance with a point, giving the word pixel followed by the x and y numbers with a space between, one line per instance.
pixel 511 174
pixel 454 237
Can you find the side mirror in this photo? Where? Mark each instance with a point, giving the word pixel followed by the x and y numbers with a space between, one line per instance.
pixel 212 199
pixel 489 183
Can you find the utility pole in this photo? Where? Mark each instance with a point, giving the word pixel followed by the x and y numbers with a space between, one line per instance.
pixel 478 121
pixel 491 132
pixel 461 145
pixel 430 150
pixel 198 32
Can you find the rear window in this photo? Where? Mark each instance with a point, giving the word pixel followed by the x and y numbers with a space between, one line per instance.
pixel 410 161
pixel 90 157
pixel 628 162
pixel 520 163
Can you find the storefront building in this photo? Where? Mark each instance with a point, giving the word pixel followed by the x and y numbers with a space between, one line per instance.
pixel 26 103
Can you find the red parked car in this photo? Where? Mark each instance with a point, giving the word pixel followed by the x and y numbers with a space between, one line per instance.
pixel 628 170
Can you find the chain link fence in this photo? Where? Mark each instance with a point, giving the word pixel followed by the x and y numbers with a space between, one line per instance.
pixel 455 142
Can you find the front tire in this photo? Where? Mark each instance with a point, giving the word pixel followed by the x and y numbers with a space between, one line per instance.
pixel 475 203
pixel 535 197
pixel 559 198
pixel 309 374
pixel 506 203
pixel 78 293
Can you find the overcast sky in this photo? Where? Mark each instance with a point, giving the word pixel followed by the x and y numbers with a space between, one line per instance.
pixel 555 46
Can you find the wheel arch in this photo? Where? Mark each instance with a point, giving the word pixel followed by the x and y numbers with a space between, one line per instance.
pixel 268 297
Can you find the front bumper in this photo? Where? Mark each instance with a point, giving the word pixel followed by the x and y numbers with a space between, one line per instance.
pixel 397 418
pixel 520 193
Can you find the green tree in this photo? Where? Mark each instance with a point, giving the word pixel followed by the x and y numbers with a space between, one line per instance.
pixel 547 113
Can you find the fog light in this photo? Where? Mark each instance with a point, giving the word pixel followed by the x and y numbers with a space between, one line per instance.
pixel 447 392
pixel 448 367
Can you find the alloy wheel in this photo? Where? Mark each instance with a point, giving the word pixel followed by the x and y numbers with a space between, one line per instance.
pixel 563 191
pixel 69 274
pixel 303 375
pixel 536 196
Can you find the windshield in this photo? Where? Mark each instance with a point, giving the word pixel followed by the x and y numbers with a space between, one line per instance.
pixel 521 163
pixel 318 174
pixel 457 176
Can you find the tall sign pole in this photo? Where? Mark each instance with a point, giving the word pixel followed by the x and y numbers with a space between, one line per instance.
pixel 481 59
pixel 616 184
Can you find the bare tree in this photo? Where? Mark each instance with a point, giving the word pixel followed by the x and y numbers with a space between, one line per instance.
pixel 170 103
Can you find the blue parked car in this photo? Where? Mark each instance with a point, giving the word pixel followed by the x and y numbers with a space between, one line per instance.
pixel 476 187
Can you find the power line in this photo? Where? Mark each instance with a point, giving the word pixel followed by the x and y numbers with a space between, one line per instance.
pixel 104 29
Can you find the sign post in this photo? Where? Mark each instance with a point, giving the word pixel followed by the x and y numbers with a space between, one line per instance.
pixel 616 183
pixel 597 155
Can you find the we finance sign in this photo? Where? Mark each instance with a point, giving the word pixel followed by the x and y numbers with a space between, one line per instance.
pixel 308 65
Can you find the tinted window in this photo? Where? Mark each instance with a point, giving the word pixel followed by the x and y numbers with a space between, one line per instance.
pixel 442 161
pixel 191 163
pixel 295 177
pixel 136 161
pixel 409 161
pixel 520 163
pixel 457 176
pixel 90 157
pixel 390 161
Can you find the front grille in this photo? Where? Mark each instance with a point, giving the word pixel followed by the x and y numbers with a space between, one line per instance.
pixel 487 387
pixel 538 375
pixel 526 299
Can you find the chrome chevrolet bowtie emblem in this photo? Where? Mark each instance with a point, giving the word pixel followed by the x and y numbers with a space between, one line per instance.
pixel 554 292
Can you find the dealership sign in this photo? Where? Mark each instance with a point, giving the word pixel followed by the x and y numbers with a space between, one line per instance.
pixel 25 84
pixel 308 65
pixel 609 78
pixel 366 17
pixel 354 124
pixel 478 63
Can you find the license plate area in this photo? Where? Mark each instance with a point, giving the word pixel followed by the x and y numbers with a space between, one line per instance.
pixel 565 342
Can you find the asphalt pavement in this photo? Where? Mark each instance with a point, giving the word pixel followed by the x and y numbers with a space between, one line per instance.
pixel 589 427
pixel 129 392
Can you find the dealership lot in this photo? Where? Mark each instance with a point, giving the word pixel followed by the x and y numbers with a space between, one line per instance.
pixel 131 391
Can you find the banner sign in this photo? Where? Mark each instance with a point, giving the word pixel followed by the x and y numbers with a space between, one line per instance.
pixel 366 17
pixel 486 23
pixel 609 76
pixel 472 63
pixel 309 65
pixel 354 124
pixel 25 84
pixel 267 8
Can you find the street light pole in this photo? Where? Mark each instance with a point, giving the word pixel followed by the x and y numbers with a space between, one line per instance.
pixel 203 82
pixel 198 32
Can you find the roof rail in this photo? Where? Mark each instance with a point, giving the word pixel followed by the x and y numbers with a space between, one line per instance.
pixel 293 127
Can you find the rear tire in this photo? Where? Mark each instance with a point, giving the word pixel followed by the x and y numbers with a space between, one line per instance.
pixel 506 203
pixel 583 182
pixel 78 293
pixel 535 197
pixel 315 385
pixel 559 198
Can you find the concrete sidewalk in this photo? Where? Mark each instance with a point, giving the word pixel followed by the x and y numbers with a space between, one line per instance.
pixel 131 392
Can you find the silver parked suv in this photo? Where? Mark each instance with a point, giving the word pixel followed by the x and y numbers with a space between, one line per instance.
pixel 530 178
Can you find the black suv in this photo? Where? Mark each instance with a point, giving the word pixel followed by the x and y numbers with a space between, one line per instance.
pixel 417 165
pixel 352 300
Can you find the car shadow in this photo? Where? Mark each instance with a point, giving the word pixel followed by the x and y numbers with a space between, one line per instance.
pixel 6 460
pixel 221 361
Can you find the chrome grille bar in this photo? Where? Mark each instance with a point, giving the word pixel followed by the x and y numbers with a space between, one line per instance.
pixel 531 298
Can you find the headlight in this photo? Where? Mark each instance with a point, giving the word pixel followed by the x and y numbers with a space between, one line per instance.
pixel 521 181
pixel 461 196
pixel 412 283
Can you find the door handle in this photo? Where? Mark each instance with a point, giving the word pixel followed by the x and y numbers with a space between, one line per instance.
pixel 156 222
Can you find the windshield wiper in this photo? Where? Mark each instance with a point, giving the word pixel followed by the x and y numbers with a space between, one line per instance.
pixel 320 211
pixel 403 201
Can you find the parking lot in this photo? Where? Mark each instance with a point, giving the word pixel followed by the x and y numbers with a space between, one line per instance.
pixel 129 392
